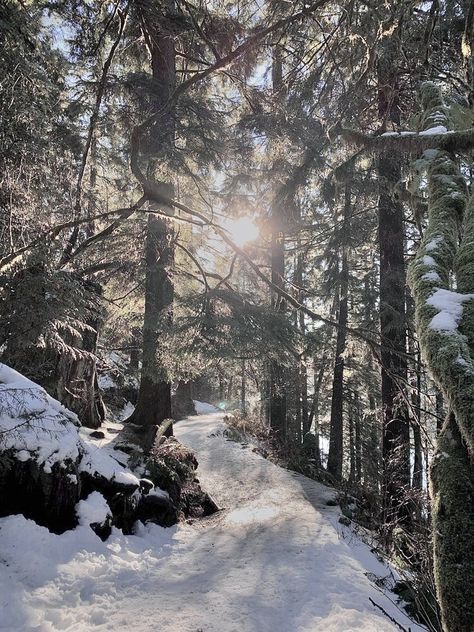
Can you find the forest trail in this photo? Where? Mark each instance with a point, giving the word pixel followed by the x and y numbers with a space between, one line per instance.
pixel 275 559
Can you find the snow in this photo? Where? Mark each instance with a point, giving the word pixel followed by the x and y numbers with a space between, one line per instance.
pixel 462 362
pixel 431 275
pixel 127 411
pixel 274 559
pixel 106 382
pixel 399 134
pixel 93 509
pixel 33 424
pixel 434 243
pixel 428 261
pixel 103 460
pixel 160 493
pixel 203 408
pixel 430 154
pixel 432 131
pixel 449 306
pixel 34 399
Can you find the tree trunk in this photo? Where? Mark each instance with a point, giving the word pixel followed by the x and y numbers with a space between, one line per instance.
pixel 154 395
pixel 439 407
pixel 182 402
pixel 417 481
pixel 278 399
pixel 415 384
pixel 243 390
pixel 449 356
pixel 314 413
pixel 396 438
pixel 352 450
pixel 371 448
pixel 77 386
pixel 335 457
pixel 358 438
pixel 302 369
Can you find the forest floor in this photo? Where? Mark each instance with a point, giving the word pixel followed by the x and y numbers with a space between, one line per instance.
pixel 275 559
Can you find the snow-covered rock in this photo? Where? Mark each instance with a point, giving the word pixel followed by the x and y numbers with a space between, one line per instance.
pixel 40 451
pixel 55 472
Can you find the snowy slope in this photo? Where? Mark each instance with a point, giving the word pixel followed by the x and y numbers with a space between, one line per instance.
pixel 275 560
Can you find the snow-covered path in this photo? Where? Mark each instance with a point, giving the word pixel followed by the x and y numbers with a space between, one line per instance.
pixel 275 560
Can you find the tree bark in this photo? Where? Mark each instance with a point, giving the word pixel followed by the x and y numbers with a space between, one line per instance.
pixel 358 438
pixel 335 457
pixel 154 395
pixel 278 399
pixel 77 386
pixel 243 390
pixel 183 404
pixel 396 461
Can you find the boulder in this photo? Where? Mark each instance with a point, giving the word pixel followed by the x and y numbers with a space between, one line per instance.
pixel 40 453
pixel 172 467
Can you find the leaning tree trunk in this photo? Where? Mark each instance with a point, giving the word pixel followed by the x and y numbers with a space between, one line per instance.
pixel 154 395
pixel 445 327
pixel 396 434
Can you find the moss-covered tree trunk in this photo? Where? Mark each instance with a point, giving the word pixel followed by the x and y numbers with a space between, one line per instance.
pixel 445 326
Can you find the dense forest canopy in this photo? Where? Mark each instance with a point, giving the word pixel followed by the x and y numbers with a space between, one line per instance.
pixel 267 205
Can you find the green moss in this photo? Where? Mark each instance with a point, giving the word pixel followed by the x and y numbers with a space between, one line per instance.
pixel 452 491
pixel 449 358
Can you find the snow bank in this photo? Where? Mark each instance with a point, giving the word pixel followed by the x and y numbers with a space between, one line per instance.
pixel 276 560
pixel 203 408
pixel 434 131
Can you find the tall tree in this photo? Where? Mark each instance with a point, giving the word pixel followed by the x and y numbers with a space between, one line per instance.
pixel 336 437
pixel 391 238
pixel 154 394
pixel 278 397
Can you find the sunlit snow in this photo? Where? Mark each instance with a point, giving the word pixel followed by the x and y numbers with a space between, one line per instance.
pixel 275 559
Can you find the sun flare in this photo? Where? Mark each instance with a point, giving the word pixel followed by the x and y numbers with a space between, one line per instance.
pixel 242 230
